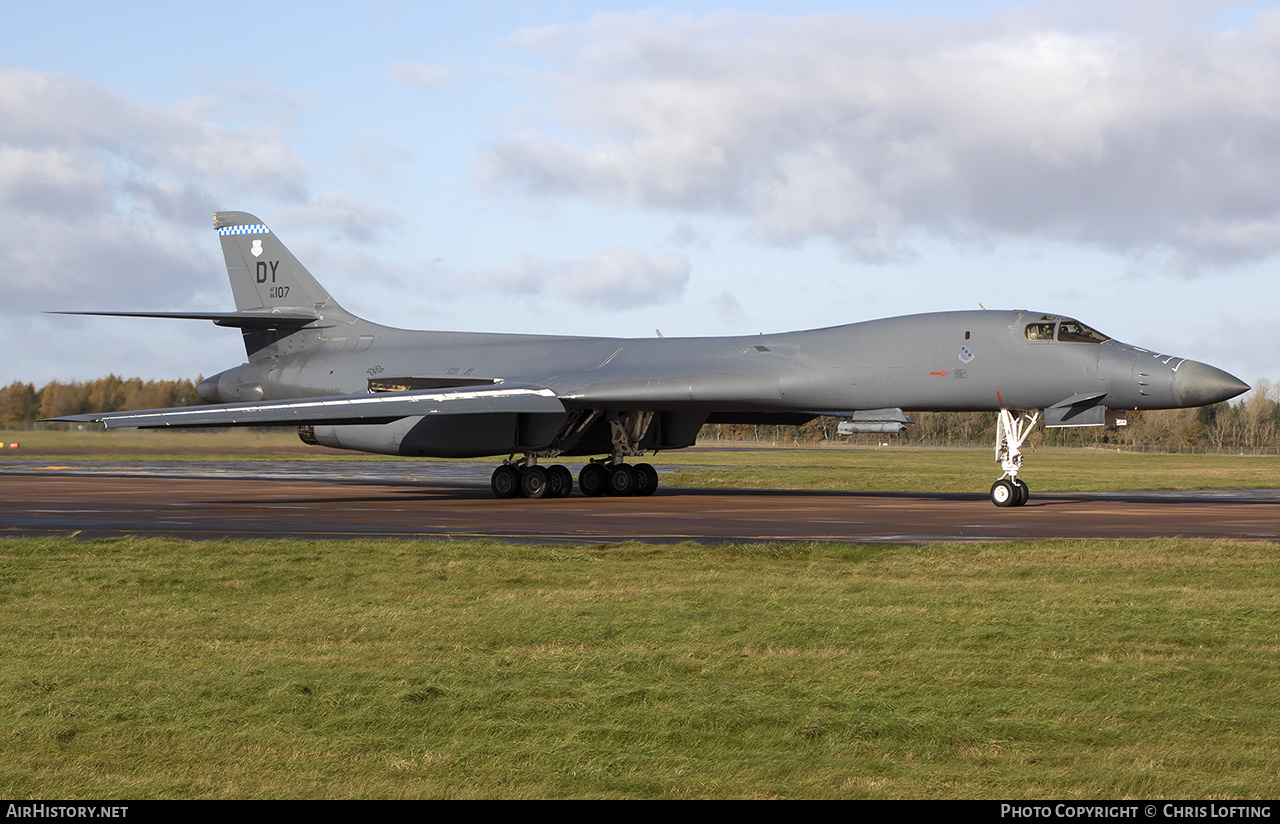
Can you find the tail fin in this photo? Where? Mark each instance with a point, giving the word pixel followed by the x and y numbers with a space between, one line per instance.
pixel 275 295
pixel 265 276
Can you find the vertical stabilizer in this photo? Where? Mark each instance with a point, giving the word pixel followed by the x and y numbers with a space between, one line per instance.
pixel 266 279
pixel 265 276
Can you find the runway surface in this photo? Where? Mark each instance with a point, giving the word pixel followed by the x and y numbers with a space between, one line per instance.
pixel 199 501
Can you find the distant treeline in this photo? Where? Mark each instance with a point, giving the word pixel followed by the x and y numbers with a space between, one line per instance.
pixel 1250 424
pixel 21 404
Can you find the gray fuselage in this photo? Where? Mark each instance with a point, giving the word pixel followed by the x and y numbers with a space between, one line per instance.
pixel 947 361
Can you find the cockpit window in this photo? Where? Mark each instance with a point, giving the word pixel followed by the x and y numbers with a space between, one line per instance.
pixel 1073 331
pixel 1069 331
pixel 1039 331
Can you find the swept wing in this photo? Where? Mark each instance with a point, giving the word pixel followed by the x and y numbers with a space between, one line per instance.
pixel 366 408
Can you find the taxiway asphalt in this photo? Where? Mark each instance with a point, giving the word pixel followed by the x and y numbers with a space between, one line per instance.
pixel 64 502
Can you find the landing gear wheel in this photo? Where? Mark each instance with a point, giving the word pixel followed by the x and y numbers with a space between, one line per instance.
pixel 622 481
pixel 1003 493
pixel 505 482
pixel 591 480
pixel 533 482
pixel 646 479
pixel 1024 492
pixel 559 482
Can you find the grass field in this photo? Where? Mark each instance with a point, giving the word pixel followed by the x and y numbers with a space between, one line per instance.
pixel 170 669
pixel 924 470
pixel 897 468
pixel 177 445
pixel 160 668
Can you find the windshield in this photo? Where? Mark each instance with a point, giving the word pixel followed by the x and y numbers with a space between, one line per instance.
pixel 1068 331
pixel 1073 331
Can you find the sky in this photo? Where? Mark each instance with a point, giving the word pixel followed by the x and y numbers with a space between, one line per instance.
pixel 693 169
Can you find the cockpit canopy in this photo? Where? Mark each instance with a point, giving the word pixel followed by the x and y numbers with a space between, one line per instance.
pixel 1064 330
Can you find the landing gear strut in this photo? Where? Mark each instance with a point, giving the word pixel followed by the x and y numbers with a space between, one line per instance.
pixel 1011 490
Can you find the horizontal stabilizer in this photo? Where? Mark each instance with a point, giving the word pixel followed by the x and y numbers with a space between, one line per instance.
pixel 382 407
pixel 238 320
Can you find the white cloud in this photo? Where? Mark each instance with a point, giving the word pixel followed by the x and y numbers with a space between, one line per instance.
pixel 1122 126
pixel 99 196
pixel 420 76
pixel 618 277
pixel 728 308
pixel 356 217
pixel 45 179
pixel 685 235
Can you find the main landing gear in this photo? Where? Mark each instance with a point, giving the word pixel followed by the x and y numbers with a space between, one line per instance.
pixel 1011 490
pixel 618 480
pixel 603 476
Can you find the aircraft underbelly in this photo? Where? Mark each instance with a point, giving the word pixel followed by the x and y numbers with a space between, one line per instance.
pixel 447 436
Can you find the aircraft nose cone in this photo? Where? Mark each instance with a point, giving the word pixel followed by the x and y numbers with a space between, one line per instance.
pixel 1199 384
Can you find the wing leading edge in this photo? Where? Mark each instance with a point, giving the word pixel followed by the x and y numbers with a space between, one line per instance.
pixel 381 407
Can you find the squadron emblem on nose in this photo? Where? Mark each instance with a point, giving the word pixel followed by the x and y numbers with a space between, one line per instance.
pixel 966 353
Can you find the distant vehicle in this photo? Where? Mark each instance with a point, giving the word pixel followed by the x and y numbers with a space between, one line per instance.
pixel 348 383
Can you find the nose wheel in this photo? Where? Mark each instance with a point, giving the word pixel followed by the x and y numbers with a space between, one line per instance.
pixel 1010 492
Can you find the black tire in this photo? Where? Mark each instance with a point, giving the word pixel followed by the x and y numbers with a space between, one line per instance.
pixel 646 479
pixel 505 482
pixel 533 482
pixel 1003 493
pixel 622 481
pixel 559 482
pixel 1024 492
pixel 591 480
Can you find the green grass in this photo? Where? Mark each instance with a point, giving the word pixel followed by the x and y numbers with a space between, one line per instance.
pixel 921 470
pixel 902 469
pixel 135 444
pixel 1067 669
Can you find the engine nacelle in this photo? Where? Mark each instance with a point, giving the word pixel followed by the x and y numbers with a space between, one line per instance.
pixel 240 384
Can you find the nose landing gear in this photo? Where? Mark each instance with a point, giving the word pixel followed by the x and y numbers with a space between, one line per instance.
pixel 1010 490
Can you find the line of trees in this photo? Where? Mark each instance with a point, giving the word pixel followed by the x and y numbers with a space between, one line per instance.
pixel 21 404
pixel 1252 423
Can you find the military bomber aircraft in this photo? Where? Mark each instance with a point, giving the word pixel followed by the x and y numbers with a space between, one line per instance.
pixel 348 383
